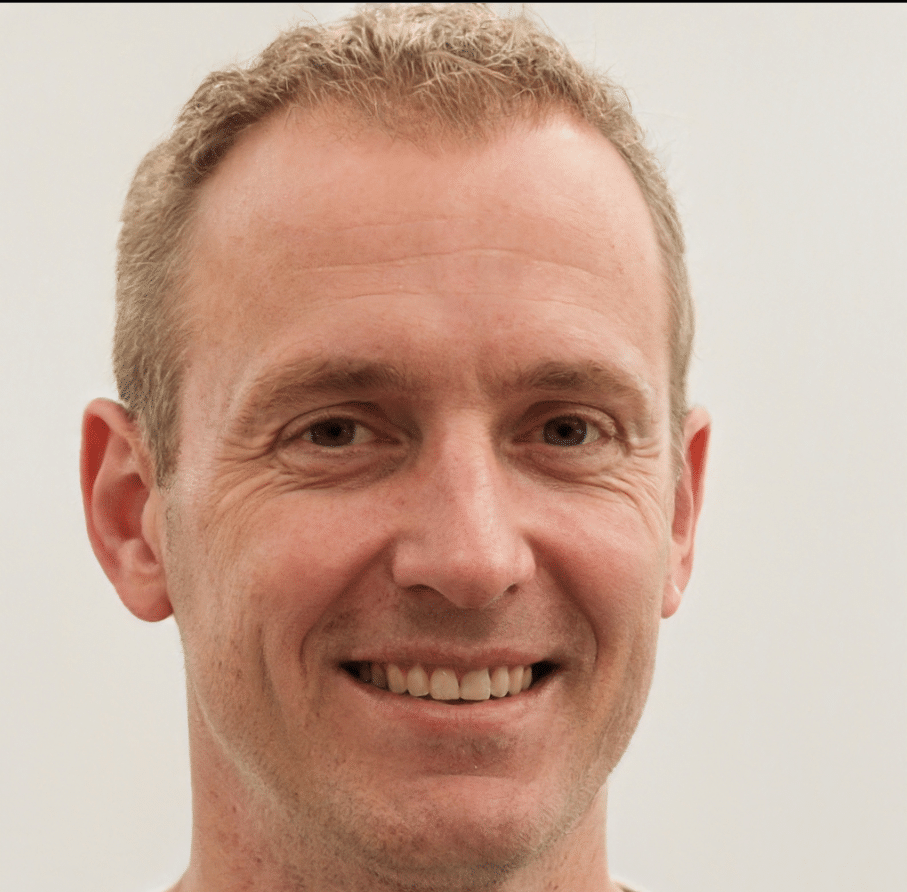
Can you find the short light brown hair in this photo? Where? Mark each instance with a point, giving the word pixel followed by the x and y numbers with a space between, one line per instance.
pixel 430 72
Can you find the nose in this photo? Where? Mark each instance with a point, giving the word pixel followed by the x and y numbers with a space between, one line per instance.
pixel 460 535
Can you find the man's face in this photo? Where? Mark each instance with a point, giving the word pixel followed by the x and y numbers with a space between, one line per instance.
pixel 425 423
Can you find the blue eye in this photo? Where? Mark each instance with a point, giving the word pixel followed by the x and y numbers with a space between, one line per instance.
pixel 568 430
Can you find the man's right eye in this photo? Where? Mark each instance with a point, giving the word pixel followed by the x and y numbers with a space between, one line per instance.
pixel 334 432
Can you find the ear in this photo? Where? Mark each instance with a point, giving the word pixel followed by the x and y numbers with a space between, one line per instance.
pixel 124 509
pixel 687 504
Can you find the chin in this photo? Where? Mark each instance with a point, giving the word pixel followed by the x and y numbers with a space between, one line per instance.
pixel 467 834
pixel 470 856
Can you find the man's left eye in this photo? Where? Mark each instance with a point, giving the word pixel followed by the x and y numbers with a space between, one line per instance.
pixel 570 430
pixel 334 432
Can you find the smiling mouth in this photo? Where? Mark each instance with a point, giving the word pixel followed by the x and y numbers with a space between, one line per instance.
pixel 445 684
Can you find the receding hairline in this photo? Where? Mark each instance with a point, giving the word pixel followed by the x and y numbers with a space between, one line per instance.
pixel 344 122
pixel 345 126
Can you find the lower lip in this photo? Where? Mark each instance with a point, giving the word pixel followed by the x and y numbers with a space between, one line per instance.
pixel 478 717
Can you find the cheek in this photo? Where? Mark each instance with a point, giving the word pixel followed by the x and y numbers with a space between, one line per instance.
pixel 611 562
pixel 610 568
pixel 623 592
pixel 250 607
pixel 286 566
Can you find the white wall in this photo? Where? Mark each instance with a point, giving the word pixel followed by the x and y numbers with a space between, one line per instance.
pixel 774 750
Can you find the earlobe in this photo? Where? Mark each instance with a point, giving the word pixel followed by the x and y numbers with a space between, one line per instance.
pixel 121 506
pixel 687 505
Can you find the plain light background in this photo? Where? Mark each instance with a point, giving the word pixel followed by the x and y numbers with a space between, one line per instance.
pixel 774 750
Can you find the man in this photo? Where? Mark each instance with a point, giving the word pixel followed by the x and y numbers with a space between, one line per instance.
pixel 402 336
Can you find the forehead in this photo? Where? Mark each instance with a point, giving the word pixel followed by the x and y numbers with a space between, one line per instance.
pixel 306 227
pixel 329 188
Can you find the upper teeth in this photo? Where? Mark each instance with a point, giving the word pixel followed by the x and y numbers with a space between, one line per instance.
pixel 443 684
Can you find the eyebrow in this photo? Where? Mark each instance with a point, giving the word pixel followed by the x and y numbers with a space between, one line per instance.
pixel 298 382
pixel 556 375
pixel 617 383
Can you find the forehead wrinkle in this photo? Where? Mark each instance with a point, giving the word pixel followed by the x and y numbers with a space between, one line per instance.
pixel 416 258
pixel 608 267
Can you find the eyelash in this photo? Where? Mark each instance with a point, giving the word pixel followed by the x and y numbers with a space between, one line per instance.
pixel 606 432
pixel 295 434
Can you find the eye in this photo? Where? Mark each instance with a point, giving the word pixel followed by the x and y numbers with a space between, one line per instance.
pixel 569 430
pixel 334 432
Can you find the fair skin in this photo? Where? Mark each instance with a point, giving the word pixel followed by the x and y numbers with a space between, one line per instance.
pixel 425 421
